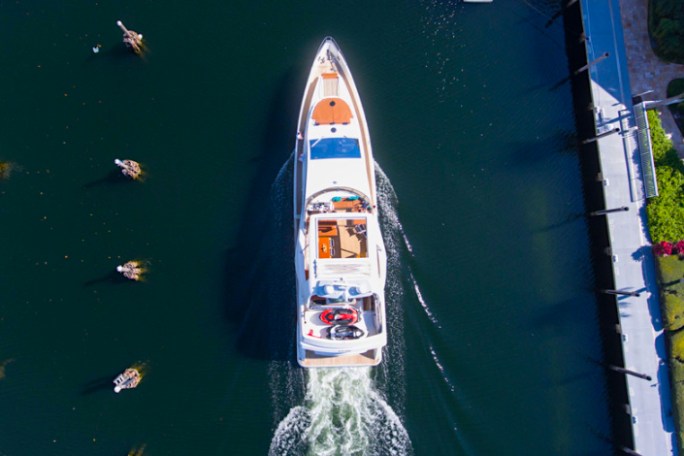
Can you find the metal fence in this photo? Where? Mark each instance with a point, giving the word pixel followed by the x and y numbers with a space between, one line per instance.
pixel 645 151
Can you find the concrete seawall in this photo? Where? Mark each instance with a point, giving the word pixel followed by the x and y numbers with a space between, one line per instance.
pixel 637 371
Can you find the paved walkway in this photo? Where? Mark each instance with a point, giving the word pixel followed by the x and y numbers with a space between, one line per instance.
pixel 633 265
pixel 646 71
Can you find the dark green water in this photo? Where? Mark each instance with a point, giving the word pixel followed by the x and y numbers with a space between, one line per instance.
pixel 495 341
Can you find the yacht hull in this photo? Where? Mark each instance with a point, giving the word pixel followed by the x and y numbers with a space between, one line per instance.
pixel 340 258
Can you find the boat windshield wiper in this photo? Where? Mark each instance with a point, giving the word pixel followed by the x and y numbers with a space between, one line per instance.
pixel 316 142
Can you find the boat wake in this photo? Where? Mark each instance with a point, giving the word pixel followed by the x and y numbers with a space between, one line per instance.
pixel 346 411
pixel 396 241
pixel 343 413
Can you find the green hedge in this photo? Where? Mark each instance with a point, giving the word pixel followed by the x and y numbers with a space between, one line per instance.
pixel 666 28
pixel 666 211
pixel 666 223
pixel 670 270
pixel 677 379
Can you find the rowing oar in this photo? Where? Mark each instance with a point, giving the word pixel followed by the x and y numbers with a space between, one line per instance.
pixel 122 27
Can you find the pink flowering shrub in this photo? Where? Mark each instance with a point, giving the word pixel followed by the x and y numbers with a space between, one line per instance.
pixel 679 247
pixel 663 248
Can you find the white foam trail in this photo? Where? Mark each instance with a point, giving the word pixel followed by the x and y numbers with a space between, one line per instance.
pixel 409 247
pixel 387 200
pixel 422 302
pixel 279 189
pixel 343 415
pixel 392 368
pixel 439 365
pixel 286 381
pixel 288 438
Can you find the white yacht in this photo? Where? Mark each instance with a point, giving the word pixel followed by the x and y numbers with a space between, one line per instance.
pixel 340 257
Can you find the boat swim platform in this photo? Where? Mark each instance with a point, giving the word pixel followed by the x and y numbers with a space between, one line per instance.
pixel 367 358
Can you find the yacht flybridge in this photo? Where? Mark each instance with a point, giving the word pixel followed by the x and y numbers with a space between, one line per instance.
pixel 340 257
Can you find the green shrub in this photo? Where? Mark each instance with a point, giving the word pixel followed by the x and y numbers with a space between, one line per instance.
pixel 670 271
pixel 661 143
pixel 677 341
pixel 666 211
pixel 670 268
pixel 677 377
pixel 674 312
pixel 666 223
pixel 666 27
pixel 677 373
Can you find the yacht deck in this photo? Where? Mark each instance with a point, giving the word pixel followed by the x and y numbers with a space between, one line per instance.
pixel 342 238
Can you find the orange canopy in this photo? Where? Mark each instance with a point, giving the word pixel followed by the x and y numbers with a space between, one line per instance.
pixel 332 111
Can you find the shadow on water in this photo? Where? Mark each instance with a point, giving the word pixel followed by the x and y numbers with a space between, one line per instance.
pixel 259 270
pixel 117 54
pixel 526 153
pixel 570 219
pixel 557 316
pixel 560 83
pixel 98 384
pixel 111 277
pixel 113 177
pixel 549 87
pixel 618 448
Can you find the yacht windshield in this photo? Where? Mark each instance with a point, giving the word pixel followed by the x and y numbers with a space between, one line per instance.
pixel 335 148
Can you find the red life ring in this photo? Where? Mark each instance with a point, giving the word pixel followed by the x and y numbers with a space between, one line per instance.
pixel 340 316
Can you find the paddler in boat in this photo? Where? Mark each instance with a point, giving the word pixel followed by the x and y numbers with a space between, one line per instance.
pixel 131 39
pixel 129 168
pixel 131 270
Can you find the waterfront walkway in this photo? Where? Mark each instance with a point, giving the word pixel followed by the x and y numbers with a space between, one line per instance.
pixel 630 252
pixel 646 70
